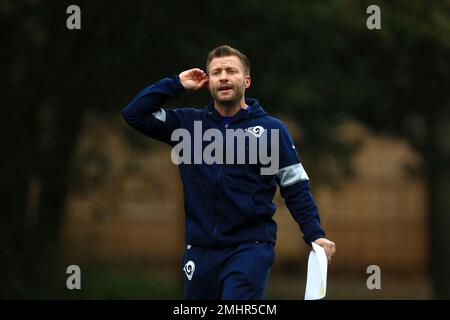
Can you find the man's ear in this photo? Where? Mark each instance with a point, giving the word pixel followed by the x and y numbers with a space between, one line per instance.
pixel 247 81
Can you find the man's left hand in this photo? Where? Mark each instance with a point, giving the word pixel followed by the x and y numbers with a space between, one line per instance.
pixel 329 246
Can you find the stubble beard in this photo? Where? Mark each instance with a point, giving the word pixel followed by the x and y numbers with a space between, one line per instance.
pixel 229 102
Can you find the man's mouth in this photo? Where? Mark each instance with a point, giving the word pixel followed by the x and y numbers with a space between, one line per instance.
pixel 224 88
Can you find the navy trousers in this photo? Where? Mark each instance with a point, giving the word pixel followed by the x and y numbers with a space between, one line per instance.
pixel 239 272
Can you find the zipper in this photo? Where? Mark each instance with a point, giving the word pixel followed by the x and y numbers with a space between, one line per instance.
pixel 216 216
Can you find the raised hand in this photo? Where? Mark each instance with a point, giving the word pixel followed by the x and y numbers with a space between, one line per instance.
pixel 193 79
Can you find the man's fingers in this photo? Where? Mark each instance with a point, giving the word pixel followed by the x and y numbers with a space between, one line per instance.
pixel 198 73
pixel 204 81
pixel 328 253
pixel 193 79
pixel 201 83
pixel 328 246
pixel 194 73
pixel 201 77
pixel 197 70
pixel 330 249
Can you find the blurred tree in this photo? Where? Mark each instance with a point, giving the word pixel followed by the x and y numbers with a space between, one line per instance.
pixel 315 61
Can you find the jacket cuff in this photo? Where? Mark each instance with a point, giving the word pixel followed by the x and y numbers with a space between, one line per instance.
pixel 176 85
pixel 313 237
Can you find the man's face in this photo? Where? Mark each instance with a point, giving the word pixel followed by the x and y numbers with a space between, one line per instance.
pixel 227 80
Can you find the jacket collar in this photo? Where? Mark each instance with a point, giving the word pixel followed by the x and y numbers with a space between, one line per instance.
pixel 243 114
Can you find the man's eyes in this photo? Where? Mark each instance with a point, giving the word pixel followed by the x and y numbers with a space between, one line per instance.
pixel 216 73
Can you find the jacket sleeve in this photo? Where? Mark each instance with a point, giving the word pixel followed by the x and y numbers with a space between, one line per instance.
pixel 295 189
pixel 145 113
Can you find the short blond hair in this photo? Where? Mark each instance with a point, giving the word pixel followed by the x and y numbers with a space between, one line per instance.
pixel 226 51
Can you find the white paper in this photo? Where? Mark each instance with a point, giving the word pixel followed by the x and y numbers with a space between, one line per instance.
pixel 316 280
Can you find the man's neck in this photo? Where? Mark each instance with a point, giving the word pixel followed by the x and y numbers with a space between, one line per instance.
pixel 229 111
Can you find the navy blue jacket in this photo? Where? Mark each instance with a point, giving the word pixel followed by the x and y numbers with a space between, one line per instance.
pixel 227 204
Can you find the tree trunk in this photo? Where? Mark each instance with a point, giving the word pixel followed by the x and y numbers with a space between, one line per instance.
pixel 32 205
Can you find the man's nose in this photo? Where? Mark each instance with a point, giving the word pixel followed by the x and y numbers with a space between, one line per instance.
pixel 223 76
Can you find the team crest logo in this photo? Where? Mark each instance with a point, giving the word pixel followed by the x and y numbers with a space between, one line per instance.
pixel 189 269
pixel 257 131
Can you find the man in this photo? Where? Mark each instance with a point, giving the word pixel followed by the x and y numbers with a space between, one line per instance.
pixel 229 232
